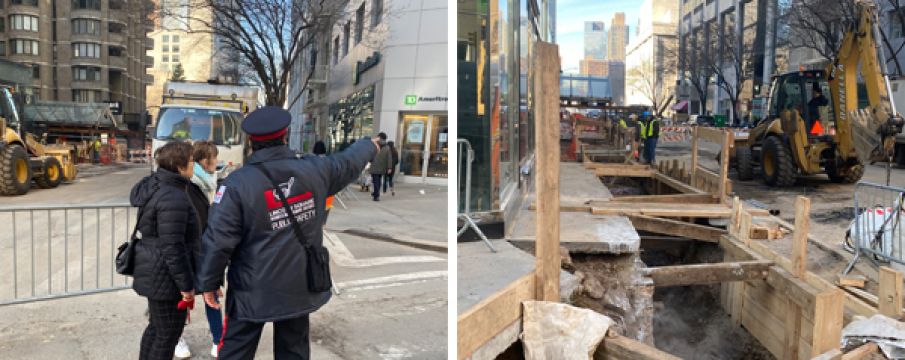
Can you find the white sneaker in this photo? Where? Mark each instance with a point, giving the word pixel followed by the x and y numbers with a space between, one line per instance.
pixel 182 349
pixel 214 350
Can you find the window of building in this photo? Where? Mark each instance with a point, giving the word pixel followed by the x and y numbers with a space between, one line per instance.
pixel 86 50
pixel 335 50
pixel 114 51
pixel 359 23
pixel 175 58
pixel 85 4
pixel 36 71
pixel 116 28
pixel 376 12
pixel 86 73
pixel 24 2
pixel 86 96
pixel 166 38
pixel 24 22
pixel 165 58
pixel 116 5
pixel 24 46
pixel 175 48
pixel 175 38
pixel 2 4
pixel 166 48
pixel 896 26
pixel 86 26
pixel 346 34
pixel 2 24
pixel 2 48
pixel 313 56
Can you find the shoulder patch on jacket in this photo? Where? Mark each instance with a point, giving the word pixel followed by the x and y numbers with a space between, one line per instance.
pixel 219 195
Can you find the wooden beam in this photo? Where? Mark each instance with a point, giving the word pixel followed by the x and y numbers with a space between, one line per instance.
pixel 744 228
pixel 676 228
pixel 625 171
pixel 724 164
pixel 677 185
pixel 713 273
pixel 694 153
pixel 670 199
pixel 623 348
pixel 861 352
pixel 800 236
pixel 711 135
pixel 546 138
pixel 890 293
pixel 834 354
pixel 857 281
pixel 487 318
pixel 828 320
pixel 667 210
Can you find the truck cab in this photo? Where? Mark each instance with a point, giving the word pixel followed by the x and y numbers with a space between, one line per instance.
pixel 203 123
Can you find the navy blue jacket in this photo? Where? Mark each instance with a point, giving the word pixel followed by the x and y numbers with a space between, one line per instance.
pixel 248 230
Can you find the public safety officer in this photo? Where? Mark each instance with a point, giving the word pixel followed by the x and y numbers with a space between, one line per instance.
pixel 269 255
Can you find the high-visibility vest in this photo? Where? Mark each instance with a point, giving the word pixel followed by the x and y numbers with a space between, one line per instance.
pixel 650 128
pixel 643 131
pixel 622 123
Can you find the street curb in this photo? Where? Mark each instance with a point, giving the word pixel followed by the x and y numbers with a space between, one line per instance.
pixel 420 244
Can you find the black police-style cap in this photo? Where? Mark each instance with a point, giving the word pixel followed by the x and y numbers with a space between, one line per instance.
pixel 268 120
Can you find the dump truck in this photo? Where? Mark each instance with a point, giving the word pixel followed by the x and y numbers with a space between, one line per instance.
pixel 814 123
pixel 194 111
pixel 23 157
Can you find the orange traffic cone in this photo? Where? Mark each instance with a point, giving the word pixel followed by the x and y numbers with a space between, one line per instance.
pixel 817 129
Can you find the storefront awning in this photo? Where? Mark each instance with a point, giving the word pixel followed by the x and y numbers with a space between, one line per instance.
pixel 680 106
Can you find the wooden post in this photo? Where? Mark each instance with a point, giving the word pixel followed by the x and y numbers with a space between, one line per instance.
pixel 745 228
pixel 724 166
pixel 890 294
pixel 734 218
pixel 694 156
pixel 800 237
pixel 799 269
pixel 546 137
pixel 828 311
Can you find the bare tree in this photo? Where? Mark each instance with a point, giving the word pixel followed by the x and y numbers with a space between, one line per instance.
pixel 731 66
pixel 696 70
pixel 265 37
pixel 653 78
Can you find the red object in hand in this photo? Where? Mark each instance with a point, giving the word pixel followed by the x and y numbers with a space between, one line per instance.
pixel 187 305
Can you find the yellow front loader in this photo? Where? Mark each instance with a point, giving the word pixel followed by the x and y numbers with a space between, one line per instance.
pixel 814 123
pixel 23 158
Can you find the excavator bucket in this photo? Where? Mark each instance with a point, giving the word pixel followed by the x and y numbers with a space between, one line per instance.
pixel 866 136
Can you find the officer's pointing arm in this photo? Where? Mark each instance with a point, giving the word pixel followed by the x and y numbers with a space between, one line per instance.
pixel 345 166
pixel 223 234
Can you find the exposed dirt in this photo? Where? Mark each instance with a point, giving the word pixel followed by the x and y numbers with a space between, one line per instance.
pixel 689 321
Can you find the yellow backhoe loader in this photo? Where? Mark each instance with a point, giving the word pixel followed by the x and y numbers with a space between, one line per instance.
pixel 814 124
pixel 23 158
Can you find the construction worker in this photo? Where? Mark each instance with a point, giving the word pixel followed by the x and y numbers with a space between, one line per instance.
pixel 651 135
pixel 639 134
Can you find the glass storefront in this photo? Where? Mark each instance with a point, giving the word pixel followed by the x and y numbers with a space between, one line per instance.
pixel 494 49
pixel 351 118
pixel 424 145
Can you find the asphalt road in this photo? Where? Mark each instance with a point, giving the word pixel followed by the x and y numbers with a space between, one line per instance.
pixel 392 300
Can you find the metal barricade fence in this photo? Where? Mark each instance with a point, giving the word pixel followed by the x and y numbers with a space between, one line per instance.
pixel 876 232
pixel 466 158
pixel 49 252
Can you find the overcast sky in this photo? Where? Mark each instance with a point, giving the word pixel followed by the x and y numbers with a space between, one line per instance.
pixel 570 18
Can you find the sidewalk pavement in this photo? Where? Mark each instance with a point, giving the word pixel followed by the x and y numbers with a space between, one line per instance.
pixel 415 216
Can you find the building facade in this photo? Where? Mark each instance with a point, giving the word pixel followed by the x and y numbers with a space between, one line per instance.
pixel 594 67
pixel 650 57
pixel 495 108
pixel 82 50
pixel 183 41
pixel 382 68
pixel 617 38
pixel 725 32
pixel 595 40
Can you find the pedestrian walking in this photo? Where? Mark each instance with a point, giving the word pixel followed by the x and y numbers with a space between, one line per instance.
pixel 201 193
pixel 388 180
pixel 266 222
pixel 168 229
pixel 380 166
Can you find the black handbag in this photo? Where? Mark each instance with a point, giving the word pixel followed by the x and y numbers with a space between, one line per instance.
pixel 318 269
pixel 125 254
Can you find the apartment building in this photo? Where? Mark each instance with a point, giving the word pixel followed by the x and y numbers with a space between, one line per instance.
pixel 81 50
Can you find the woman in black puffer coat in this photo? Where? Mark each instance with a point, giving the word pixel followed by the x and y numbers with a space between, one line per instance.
pixel 165 254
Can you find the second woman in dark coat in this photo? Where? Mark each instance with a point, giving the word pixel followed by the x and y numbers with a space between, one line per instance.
pixel 165 254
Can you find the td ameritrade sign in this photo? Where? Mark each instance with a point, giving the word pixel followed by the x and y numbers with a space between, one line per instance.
pixel 412 100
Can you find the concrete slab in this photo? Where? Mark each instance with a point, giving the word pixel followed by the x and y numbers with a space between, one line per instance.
pixel 581 232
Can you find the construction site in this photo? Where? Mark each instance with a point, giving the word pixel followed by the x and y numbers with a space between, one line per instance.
pixel 732 245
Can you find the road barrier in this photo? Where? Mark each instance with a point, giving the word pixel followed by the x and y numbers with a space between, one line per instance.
pixel 52 252
pixel 876 232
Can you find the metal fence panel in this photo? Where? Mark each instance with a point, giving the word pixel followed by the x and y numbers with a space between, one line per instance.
pixel 60 251
pixel 876 231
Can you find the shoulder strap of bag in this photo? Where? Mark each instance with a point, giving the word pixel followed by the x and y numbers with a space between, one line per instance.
pixel 276 188
pixel 141 211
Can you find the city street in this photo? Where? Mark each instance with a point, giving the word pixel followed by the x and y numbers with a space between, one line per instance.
pixel 388 261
